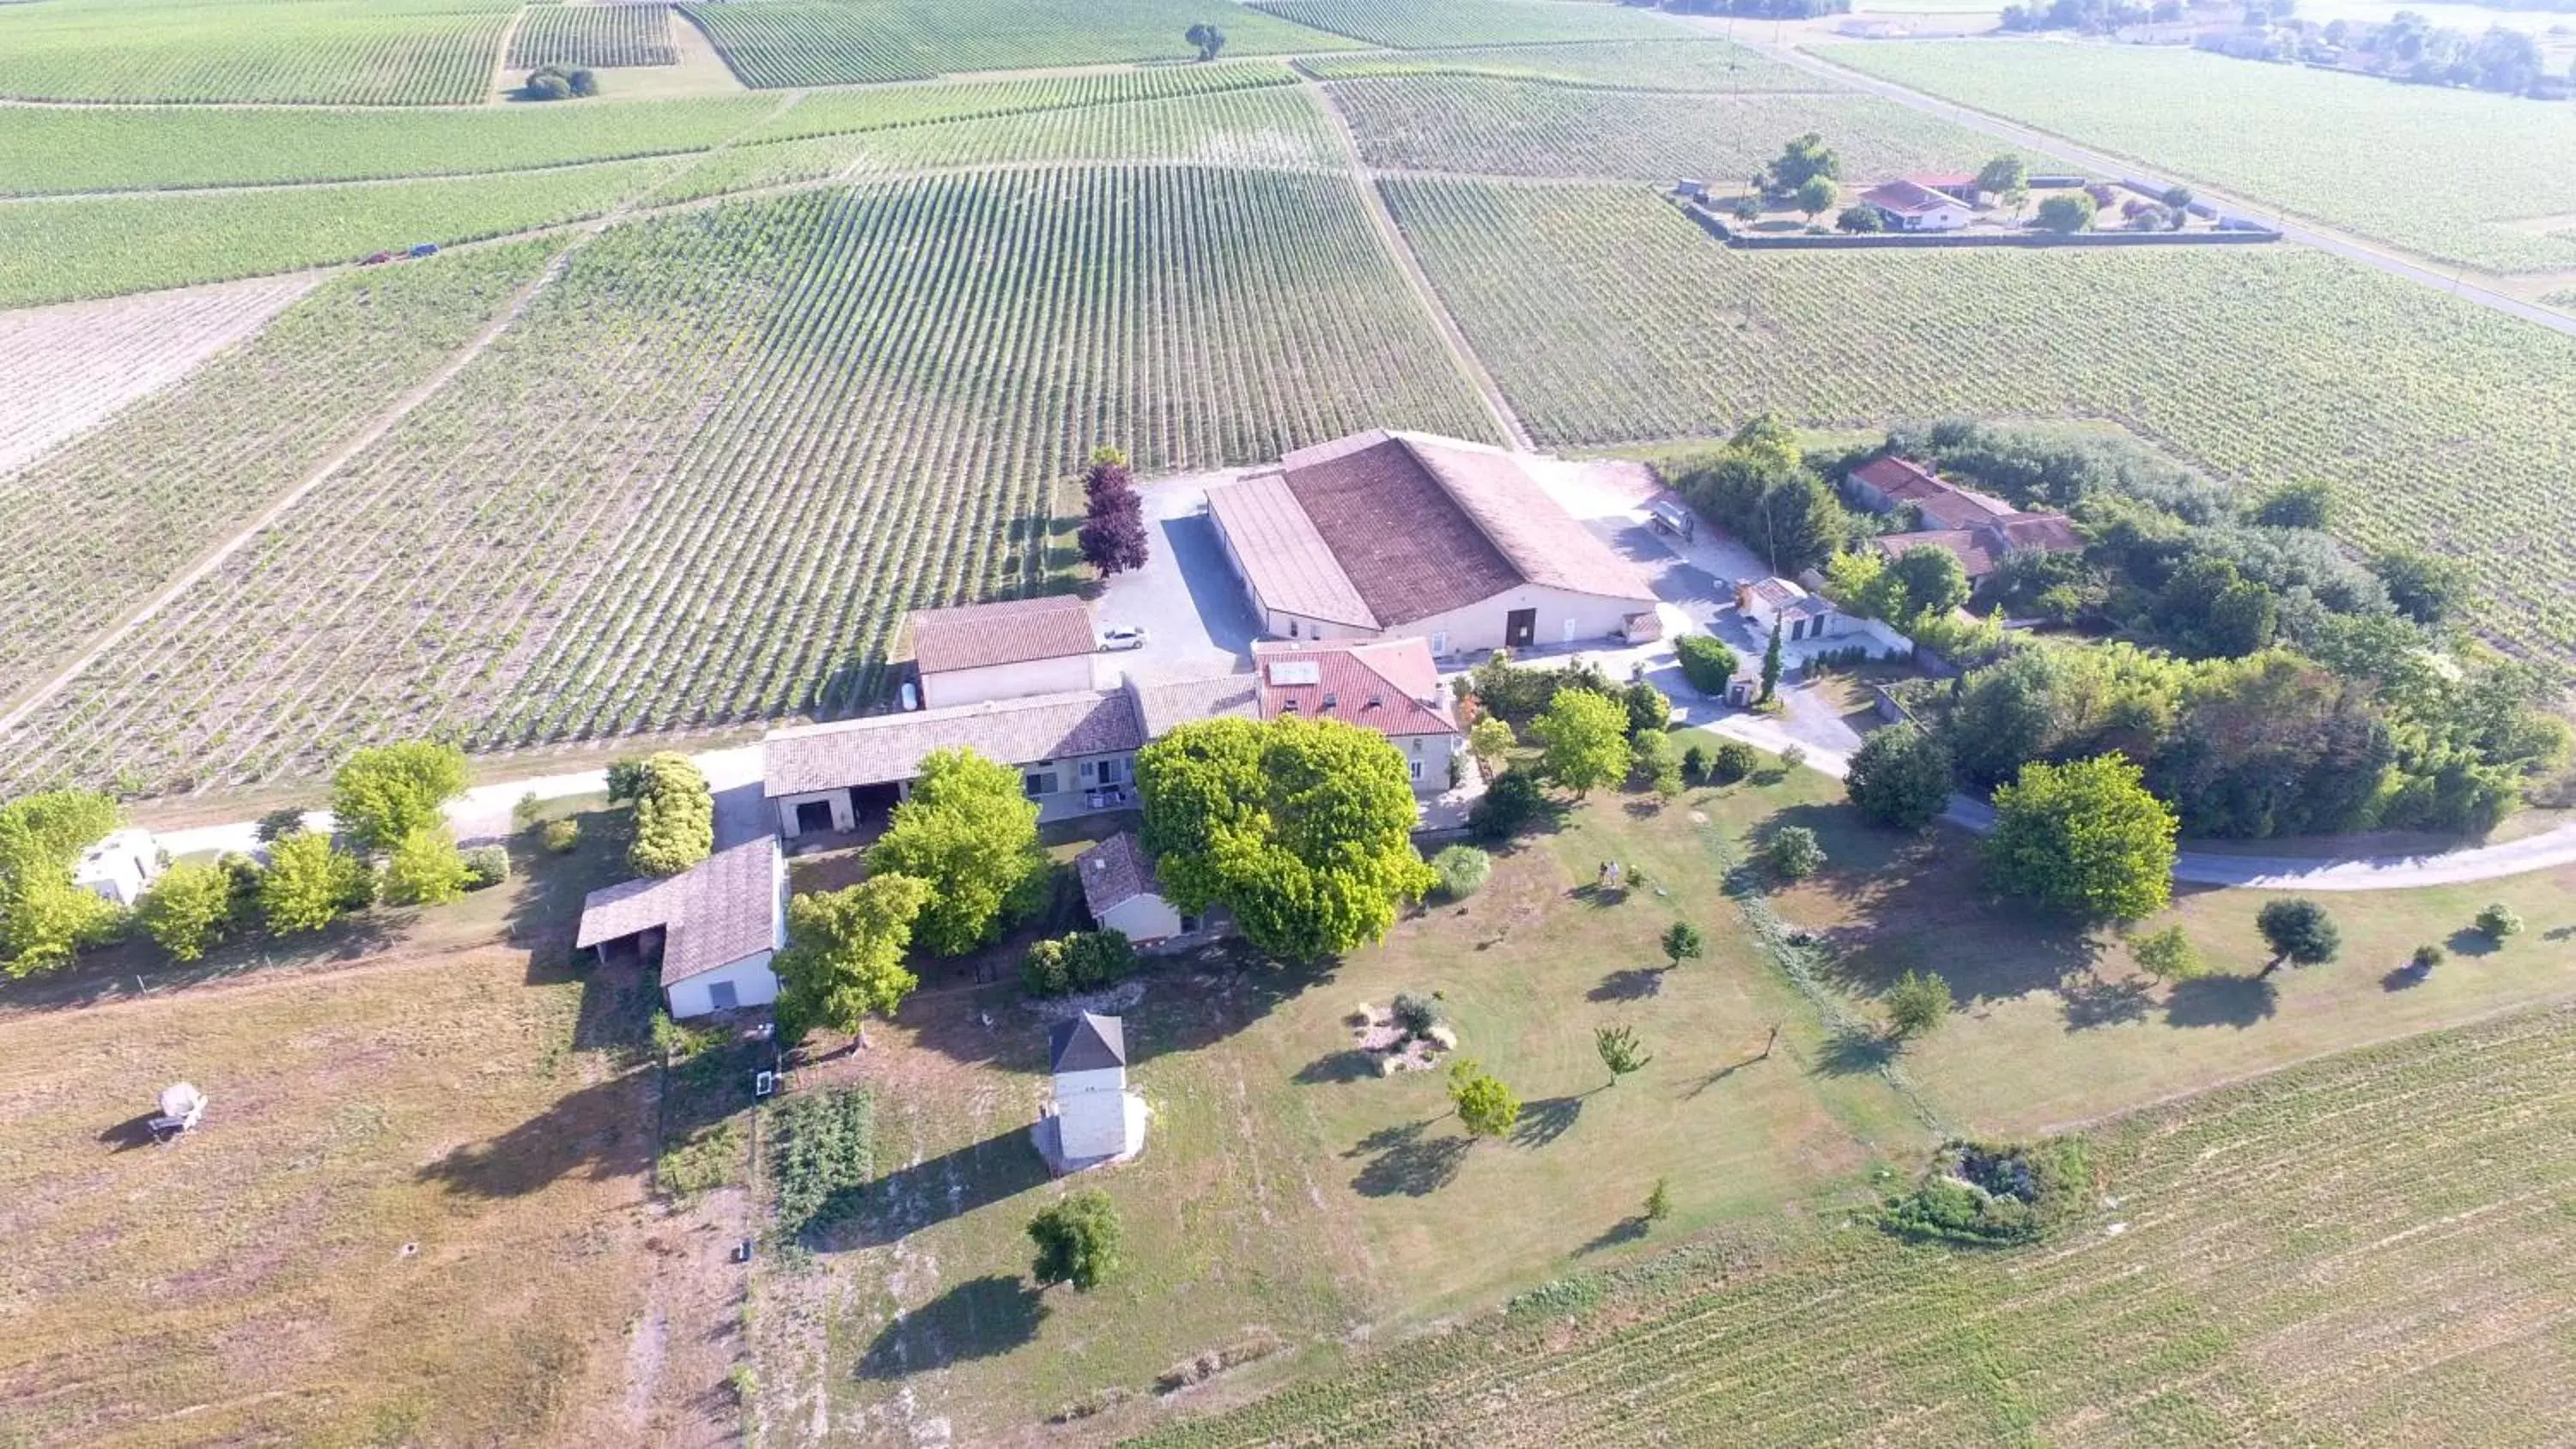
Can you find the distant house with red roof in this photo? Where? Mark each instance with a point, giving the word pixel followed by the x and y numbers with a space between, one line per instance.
pixel 1391 686
pixel 1914 204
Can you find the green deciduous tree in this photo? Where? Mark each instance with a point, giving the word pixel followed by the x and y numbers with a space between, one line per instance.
pixel 2298 930
pixel 675 816
pixel 970 831
pixel 1816 197
pixel 2003 175
pixel 1077 1241
pixel 1806 158
pixel 1900 777
pixel 1486 1108
pixel 844 959
pixel 188 909
pixel 2498 921
pixel 426 869
pixel 1659 1203
pixel 1491 741
pixel 384 794
pixel 1926 580
pixel 1303 828
pixel 2084 838
pixel 1917 1005
pixel 311 882
pixel 1682 942
pixel 1619 1050
pixel 1208 38
pixel 1585 740
pixel 2066 213
pixel 44 917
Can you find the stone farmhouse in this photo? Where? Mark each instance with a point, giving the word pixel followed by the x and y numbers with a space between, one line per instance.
pixel 718 924
pixel 1388 534
pixel 1392 686
pixel 1980 530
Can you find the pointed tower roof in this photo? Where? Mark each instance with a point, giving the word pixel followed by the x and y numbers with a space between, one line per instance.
pixel 1086 1043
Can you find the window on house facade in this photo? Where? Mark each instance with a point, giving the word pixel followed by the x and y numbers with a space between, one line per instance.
pixel 1039 779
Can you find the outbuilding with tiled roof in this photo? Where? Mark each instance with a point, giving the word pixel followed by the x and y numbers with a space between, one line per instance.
pixel 716 924
pixel 1006 650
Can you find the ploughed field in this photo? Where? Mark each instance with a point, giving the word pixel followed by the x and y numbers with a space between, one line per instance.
pixel 702 475
pixel 1605 315
pixel 2370 1249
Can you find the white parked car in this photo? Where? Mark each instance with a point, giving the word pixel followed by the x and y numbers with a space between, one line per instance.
pixel 1128 637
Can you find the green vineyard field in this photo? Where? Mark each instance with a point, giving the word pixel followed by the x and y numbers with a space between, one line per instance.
pixel 53 251
pixel 1605 316
pixel 1425 24
pixel 1474 125
pixel 2367 1250
pixel 2433 169
pixel 364 52
pixel 1646 65
pixel 594 35
pixel 47 150
pixel 1273 128
pixel 778 43
pixel 701 478
pixel 90 530
pixel 825 113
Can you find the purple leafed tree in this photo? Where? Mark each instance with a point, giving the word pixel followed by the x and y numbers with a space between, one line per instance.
pixel 1113 537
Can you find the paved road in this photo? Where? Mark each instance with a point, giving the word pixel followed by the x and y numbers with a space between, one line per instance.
pixel 2306 233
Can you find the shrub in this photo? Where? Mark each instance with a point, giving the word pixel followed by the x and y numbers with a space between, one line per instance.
pixel 1793 853
pixel 1651 763
pixel 1732 761
pixel 2498 921
pixel 1792 756
pixel 188 909
pixel 2427 957
pixel 1683 942
pixel 1463 870
pixel 1917 1005
pixel 1706 662
pixel 1045 971
pixel 426 869
pixel 310 883
pixel 1096 958
pixel 1695 764
pixel 485 867
pixel 1985 1195
pixel 2300 931
pixel 1647 708
pixel 1659 1203
pixel 2168 955
pixel 560 837
pixel 1415 1015
pixel 1509 804
pixel 1077 1241
pixel 384 794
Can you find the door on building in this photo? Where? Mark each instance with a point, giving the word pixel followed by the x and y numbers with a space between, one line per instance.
pixel 722 996
pixel 813 817
pixel 1520 628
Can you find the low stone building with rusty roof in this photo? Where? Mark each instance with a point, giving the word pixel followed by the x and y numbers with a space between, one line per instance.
pixel 1075 753
pixel 1007 650
pixel 716 925
pixel 1404 535
pixel 1120 890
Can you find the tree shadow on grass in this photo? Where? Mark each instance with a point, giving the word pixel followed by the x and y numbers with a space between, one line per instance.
pixel 1405 1161
pixel 951 1185
pixel 2237 1001
pixel 1547 1119
pixel 1855 1052
pixel 1724 1072
pixel 1351 1064
pixel 2406 977
pixel 2092 1002
pixel 979 1318
pixel 2470 941
pixel 1635 983
pixel 1627 1230
pixel 602 1131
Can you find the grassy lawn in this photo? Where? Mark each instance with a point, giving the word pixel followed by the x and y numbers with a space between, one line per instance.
pixel 2057 1026
pixel 1290 1198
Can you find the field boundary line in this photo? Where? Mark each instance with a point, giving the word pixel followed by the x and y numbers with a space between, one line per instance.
pixel 37 695
pixel 2424 271
pixel 501 56
pixel 1400 247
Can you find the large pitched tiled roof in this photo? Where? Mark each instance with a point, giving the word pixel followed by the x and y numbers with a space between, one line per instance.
pixel 713 914
pixel 883 749
pixel 1014 631
pixel 1390 685
pixel 1166 703
pixel 1408 527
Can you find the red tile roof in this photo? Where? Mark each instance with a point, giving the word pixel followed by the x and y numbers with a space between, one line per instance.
pixel 1114 872
pixel 1971 547
pixel 1388 685
pixel 1909 198
pixel 1014 631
